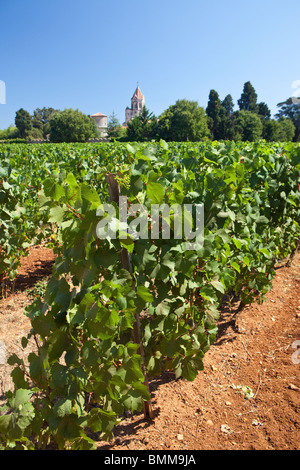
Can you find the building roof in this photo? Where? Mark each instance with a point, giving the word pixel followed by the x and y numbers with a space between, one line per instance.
pixel 138 93
pixel 98 115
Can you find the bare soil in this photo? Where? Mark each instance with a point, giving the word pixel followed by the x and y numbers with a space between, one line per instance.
pixel 247 397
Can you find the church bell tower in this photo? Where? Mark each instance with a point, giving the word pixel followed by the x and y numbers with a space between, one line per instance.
pixel 137 104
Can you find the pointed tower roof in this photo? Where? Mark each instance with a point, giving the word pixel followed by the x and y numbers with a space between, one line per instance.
pixel 138 93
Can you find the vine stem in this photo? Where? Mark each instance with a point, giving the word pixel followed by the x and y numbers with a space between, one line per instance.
pixel 74 212
pixel 114 194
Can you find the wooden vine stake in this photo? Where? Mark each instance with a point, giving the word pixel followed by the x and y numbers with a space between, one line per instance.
pixel 114 194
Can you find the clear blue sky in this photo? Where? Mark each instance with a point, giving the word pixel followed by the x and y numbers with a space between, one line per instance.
pixel 89 54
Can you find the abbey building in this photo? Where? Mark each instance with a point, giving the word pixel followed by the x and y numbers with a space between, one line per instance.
pixel 137 104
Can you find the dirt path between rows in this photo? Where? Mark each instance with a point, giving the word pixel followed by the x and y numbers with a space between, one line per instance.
pixel 247 397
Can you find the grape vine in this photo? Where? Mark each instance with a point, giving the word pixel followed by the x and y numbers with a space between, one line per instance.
pixel 119 311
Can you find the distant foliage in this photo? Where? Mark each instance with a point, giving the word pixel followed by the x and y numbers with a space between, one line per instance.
pixel 70 126
pixel 184 121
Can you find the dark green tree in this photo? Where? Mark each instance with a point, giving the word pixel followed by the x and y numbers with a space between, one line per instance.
pixel 282 130
pixel 247 126
pixel 290 109
pixel 263 111
pixel 226 131
pixel 228 105
pixel 143 127
pixel 10 133
pixel 213 112
pixel 270 130
pixel 286 130
pixel 35 134
pixel 183 121
pixel 219 116
pixel 23 123
pixel 41 118
pixel 134 130
pixel 70 126
pixel 248 99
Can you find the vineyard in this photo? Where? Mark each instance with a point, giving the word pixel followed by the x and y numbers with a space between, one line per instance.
pixel 119 312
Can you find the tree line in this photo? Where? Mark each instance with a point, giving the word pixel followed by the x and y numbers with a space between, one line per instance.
pixel 51 124
pixel 187 121
pixel 183 121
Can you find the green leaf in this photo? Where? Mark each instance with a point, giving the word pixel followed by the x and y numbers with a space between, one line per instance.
pixel 246 261
pixel 59 342
pixel 133 370
pixel 144 294
pixel 90 194
pixel 56 214
pixel 100 420
pixel 59 376
pixel 127 243
pixel 262 220
pixel 83 443
pixel 212 314
pixel 265 252
pixel 43 324
pixel 236 266
pixel 53 190
pixel 237 243
pixel 155 192
pixel 190 368
pixel 62 407
pixel 104 324
pixel 207 292
pixel 39 364
pixel 134 399
pixel 218 286
pixel 22 413
pixel 68 428
pixel 131 149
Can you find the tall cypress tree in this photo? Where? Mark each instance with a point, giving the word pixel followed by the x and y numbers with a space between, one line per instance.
pixel 226 130
pixel 213 112
pixel 263 111
pixel 248 99
pixel 228 105
pixel 23 123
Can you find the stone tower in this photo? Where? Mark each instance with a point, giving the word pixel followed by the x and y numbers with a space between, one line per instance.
pixel 137 104
pixel 101 122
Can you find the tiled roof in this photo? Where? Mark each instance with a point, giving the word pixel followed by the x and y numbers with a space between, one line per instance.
pixel 98 115
pixel 138 94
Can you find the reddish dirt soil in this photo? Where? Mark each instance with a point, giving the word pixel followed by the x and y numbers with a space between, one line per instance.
pixel 247 397
pixel 13 300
